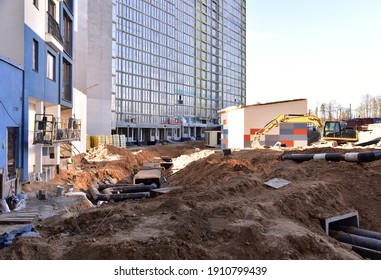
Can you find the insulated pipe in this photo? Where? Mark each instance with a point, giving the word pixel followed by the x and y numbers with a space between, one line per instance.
pixel 130 189
pixel 101 187
pixel 358 231
pixel 96 195
pixel 363 157
pixel 357 240
pixel 367 253
pixel 351 157
pixel 299 157
pixel 107 191
pixel 94 192
pixel 306 157
pixel 122 196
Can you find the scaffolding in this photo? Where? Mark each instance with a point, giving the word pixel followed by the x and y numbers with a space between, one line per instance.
pixel 49 129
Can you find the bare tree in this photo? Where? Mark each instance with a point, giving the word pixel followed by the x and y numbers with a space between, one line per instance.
pixel 370 107
pixel 322 111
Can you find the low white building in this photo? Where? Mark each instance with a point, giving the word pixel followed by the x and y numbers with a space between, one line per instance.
pixel 240 124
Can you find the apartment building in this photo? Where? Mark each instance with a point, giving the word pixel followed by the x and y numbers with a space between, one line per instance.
pixel 38 114
pixel 161 69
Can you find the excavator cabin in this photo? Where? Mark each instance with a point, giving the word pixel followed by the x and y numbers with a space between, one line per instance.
pixel 339 131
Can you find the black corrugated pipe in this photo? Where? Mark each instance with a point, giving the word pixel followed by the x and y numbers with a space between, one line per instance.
pixel 353 239
pixel 357 231
pixel 352 157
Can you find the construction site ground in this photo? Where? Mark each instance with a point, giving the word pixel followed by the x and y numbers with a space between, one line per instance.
pixel 223 210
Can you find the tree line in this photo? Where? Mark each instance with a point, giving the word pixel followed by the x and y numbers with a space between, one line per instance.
pixel 370 107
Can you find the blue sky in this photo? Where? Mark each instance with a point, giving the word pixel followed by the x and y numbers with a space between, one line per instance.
pixel 321 50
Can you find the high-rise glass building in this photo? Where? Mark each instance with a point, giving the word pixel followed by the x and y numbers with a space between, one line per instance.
pixel 174 65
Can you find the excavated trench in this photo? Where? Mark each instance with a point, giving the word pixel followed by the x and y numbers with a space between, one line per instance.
pixel 345 228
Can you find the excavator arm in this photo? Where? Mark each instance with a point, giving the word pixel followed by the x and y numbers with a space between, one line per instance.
pixel 286 118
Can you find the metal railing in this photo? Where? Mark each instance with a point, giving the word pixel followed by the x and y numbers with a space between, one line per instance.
pixel 67 130
pixel 54 28
pixel 49 129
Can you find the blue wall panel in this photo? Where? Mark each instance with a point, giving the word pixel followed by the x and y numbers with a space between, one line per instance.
pixel 36 82
pixel 11 93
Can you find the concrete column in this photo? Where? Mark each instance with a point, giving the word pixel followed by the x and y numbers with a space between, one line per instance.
pixel 38 147
pixel 56 112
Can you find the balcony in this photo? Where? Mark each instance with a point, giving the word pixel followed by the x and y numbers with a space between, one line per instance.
pixel 53 33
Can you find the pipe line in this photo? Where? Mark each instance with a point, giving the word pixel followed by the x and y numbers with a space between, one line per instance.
pixel 130 189
pixel 357 240
pixel 101 187
pixel 350 157
pixel 96 195
pixel 357 231
pixel 367 253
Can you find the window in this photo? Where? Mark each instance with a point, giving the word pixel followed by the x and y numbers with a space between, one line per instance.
pixel 12 151
pixel 68 25
pixel 66 80
pixel 35 55
pixel 51 67
pixel 48 152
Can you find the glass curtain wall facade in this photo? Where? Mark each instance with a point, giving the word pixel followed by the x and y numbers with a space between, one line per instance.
pixel 177 60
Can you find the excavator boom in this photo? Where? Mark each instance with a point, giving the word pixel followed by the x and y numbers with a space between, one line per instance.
pixel 286 118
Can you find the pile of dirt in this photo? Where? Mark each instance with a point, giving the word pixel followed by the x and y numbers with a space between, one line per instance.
pixel 223 211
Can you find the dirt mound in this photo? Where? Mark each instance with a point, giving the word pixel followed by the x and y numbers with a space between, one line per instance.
pixel 223 211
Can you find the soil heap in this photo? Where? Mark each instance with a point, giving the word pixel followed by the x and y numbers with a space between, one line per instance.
pixel 223 211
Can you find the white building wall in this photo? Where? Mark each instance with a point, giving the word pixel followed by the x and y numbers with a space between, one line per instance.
pixel 236 127
pixel 240 124
pixel 36 18
pixel 31 148
pixel 80 112
pixel 12 30
pixel 257 116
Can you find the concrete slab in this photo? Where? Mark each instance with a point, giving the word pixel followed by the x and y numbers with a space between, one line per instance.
pixel 348 219
pixel 277 183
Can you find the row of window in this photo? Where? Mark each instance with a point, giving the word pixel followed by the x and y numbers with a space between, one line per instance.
pixel 192 75
pixel 151 95
pixel 143 62
pixel 150 66
pixel 51 69
pixel 200 108
pixel 158 109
